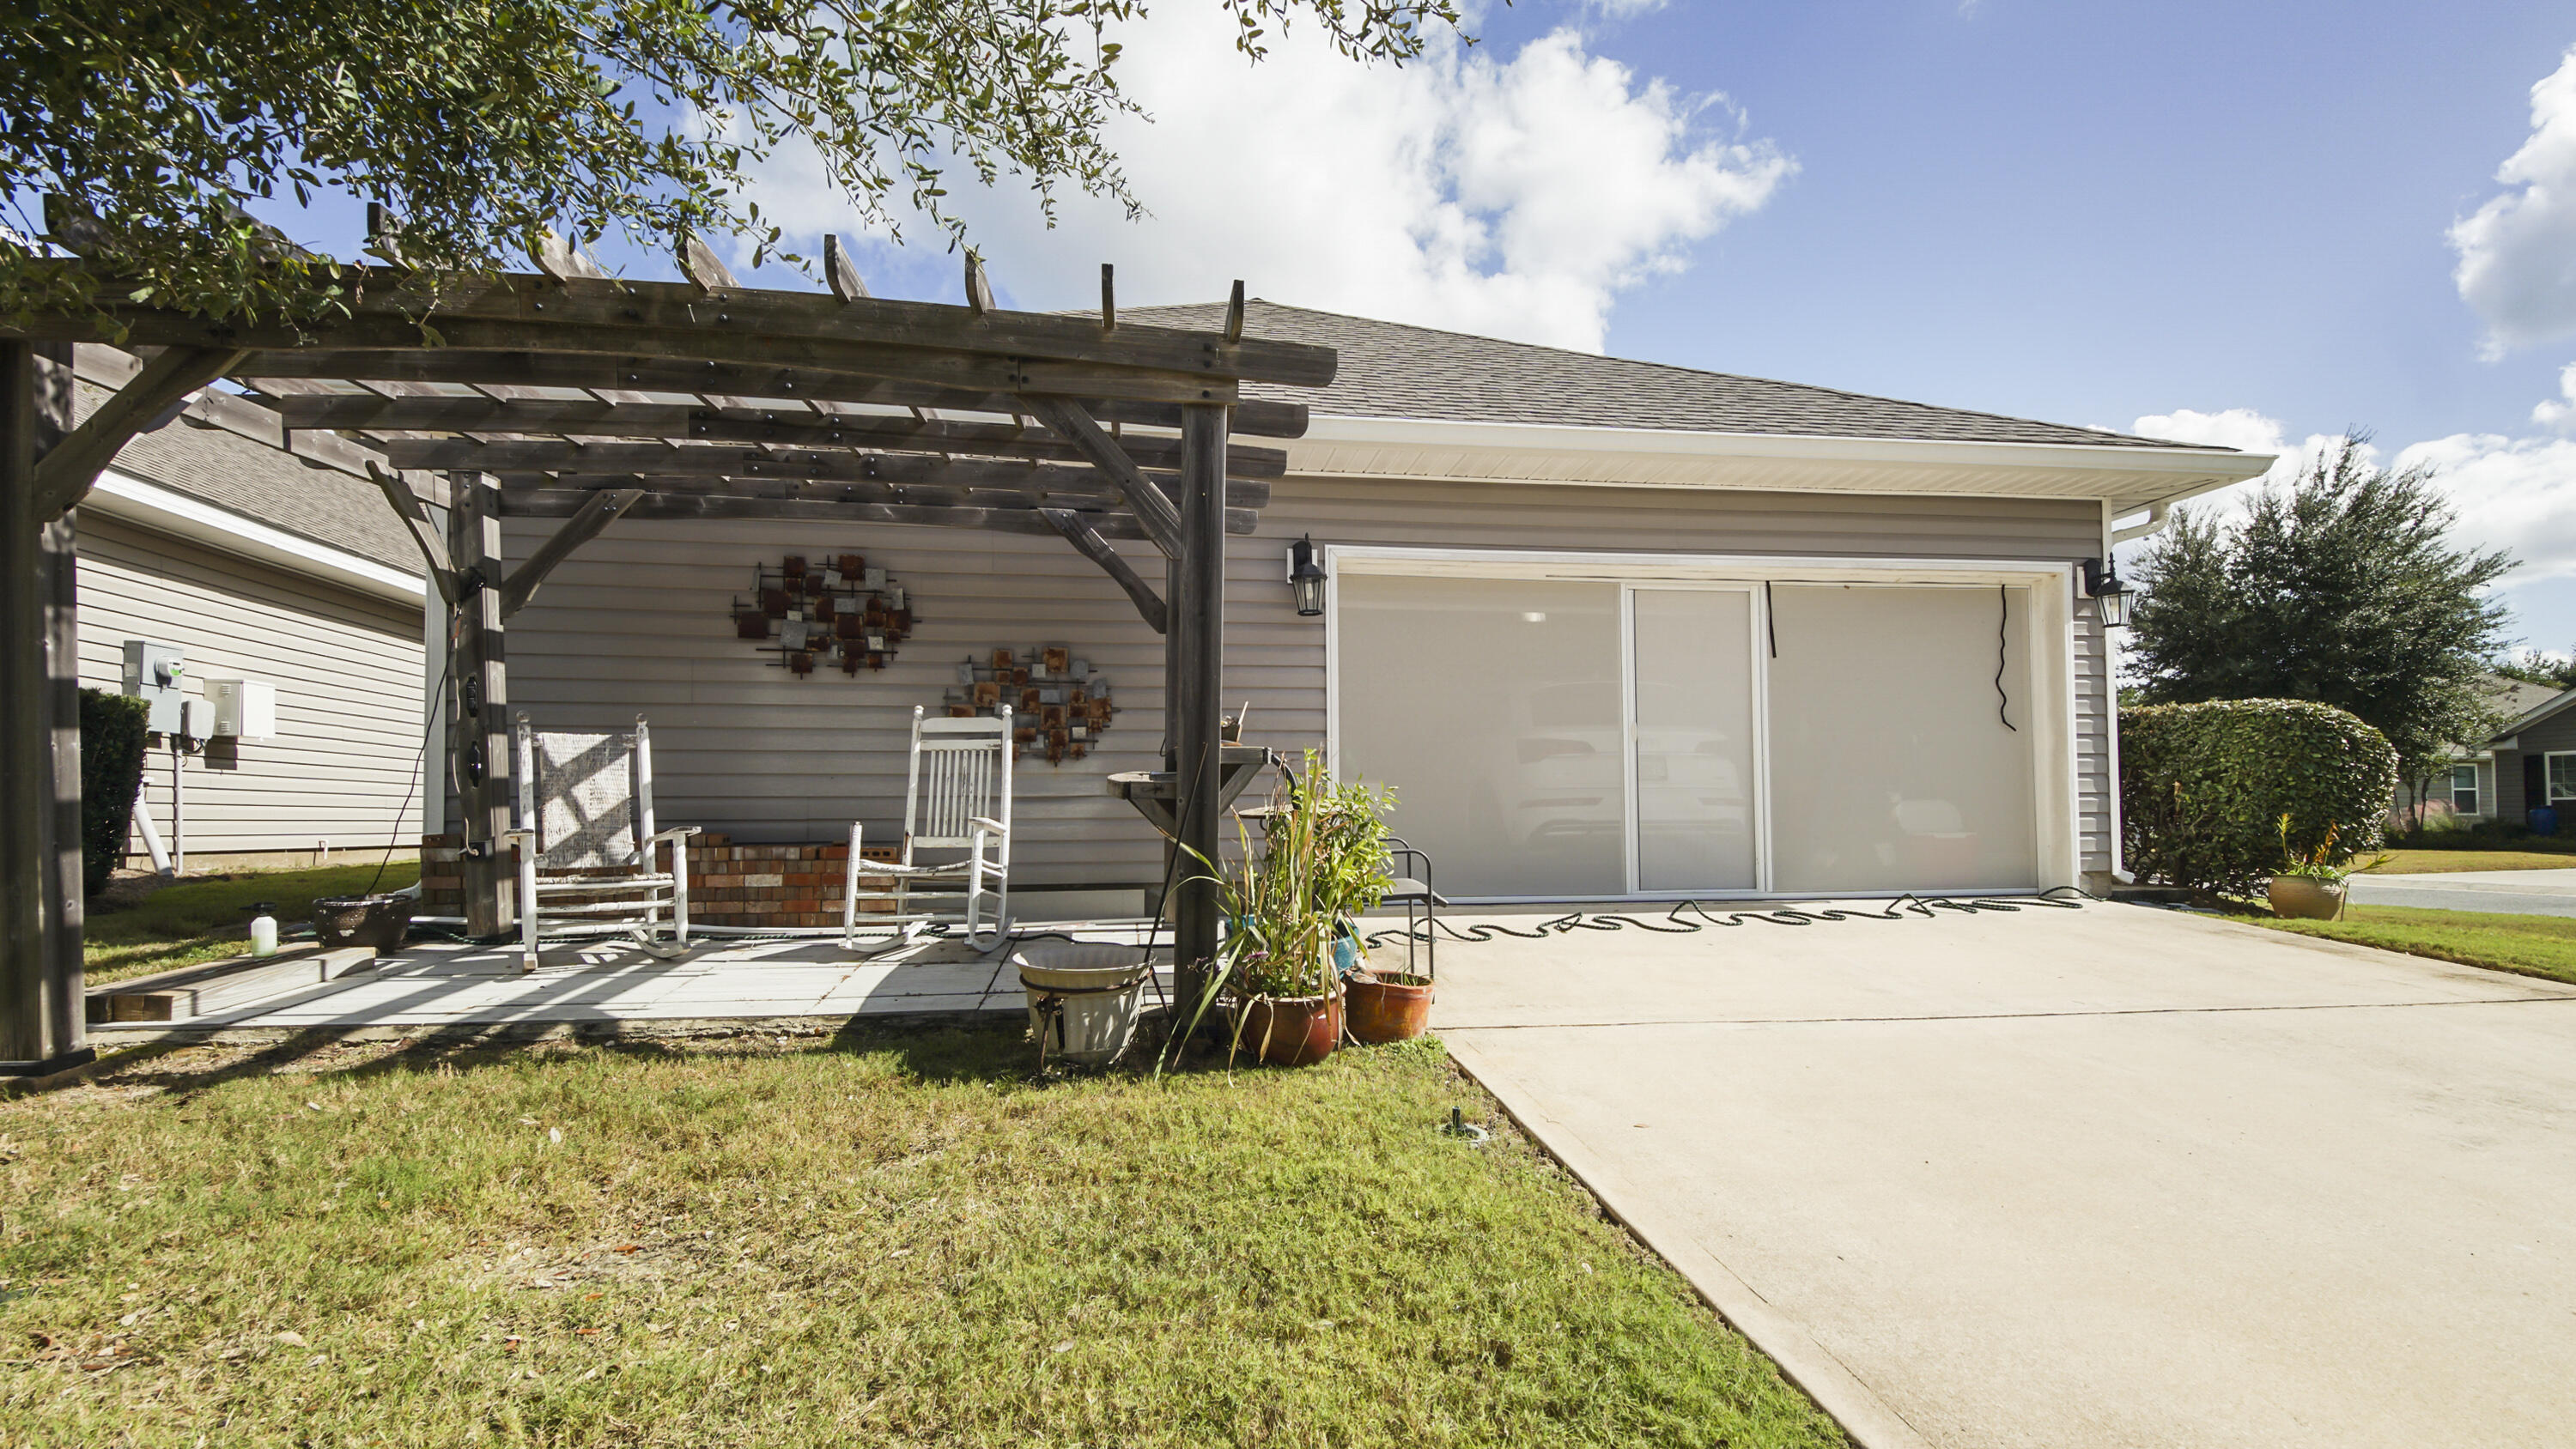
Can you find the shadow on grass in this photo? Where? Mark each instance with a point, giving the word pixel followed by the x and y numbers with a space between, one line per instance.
pixel 932 1050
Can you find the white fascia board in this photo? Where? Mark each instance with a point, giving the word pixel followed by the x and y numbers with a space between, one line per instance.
pixel 2127 476
pixel 120 495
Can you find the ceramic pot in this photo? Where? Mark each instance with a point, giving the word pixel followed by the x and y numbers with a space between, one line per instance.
pixel 2296 898
pixel 1289 1031
pixel 1084 998
pixel 1393 1006
pixel 378 921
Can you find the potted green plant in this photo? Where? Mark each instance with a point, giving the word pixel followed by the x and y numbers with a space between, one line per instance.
pixel 1319 860
pixel 2310 886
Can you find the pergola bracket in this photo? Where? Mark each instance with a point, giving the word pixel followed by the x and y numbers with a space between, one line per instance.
pixel 603 509
pixel 66 473
pixel 1162 521
pixel 433 549
pixel 1092 546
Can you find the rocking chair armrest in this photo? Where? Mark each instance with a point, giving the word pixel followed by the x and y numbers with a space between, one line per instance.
pixel 989 825
pixel 676 832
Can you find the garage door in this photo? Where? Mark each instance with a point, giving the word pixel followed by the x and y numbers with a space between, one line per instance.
pixel 1558 738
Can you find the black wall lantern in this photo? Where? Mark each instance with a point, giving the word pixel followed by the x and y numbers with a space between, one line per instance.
pixel 2111 598
pixel 1306 578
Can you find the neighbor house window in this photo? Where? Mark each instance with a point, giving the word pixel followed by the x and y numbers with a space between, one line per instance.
pixel 2464 789
pixel 2562 778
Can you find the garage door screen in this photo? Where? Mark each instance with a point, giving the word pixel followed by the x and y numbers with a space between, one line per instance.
pixel 1554 739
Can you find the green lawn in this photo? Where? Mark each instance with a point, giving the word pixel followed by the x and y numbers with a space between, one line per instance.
pixel 206 918
pixel 2531 945
pixel 889 1238
pixel 2411 862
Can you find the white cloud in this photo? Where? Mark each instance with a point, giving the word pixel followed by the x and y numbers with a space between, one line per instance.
pixel 2517 264
pixel 2516 494
pixel 2559 412
pixel 1511 197
pixel 2243 429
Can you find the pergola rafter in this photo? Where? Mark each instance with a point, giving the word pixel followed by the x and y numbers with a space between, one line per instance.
pixel 569 394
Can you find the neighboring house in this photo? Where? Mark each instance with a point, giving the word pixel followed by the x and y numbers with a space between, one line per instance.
pixel 1609 628
pixel 261 566
pixel 2529 764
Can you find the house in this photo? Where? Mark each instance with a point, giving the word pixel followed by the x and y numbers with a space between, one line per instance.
pixel 1609 628
pixel 2529 764
pixel 273 566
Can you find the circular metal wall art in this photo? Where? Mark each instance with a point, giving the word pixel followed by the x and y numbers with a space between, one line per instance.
pixel 1058 703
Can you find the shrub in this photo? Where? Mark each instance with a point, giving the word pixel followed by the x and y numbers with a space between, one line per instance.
pixel 111 742
pixel 2203 788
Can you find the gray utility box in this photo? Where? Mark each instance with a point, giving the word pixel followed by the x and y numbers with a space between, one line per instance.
pixel 157 674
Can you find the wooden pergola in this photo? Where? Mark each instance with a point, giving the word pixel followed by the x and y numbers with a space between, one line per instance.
pixel 572 395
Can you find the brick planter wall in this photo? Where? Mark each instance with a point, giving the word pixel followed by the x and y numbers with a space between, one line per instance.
pixel 754 887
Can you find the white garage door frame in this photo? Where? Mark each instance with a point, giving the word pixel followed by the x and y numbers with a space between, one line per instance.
pixel 2055 756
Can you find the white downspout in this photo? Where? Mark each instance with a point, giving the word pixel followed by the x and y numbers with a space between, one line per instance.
pixel 2111 687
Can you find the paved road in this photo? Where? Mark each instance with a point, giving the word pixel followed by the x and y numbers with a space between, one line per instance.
pixel 2517 892
pixel 2084 1179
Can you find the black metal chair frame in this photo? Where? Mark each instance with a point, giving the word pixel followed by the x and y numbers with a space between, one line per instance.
pixel 1413 890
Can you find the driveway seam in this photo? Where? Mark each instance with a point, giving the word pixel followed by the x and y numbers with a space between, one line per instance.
pixel 1869 1419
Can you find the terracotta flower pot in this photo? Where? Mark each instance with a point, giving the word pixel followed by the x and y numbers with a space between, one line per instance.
pixel 2296 898
pixel 1290 1031
pixel 1389 1007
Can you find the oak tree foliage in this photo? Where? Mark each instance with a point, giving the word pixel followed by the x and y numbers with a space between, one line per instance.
pixel 484 123
pixel 2342 587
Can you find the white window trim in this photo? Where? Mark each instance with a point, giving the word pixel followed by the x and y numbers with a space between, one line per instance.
pixel 2477 789
pixel 2548 789
pixel 2056 760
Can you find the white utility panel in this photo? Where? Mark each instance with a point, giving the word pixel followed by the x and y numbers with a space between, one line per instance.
pixel 244 708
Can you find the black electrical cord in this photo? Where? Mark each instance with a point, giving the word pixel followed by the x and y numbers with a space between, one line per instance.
pixel 411 787
pixel 1674 924
pixel 2003 644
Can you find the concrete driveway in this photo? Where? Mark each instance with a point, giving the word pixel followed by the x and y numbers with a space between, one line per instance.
pixel 2518 892
pixel 2101 1177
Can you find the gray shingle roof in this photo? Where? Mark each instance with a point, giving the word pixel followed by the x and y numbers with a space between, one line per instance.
pixel 1391 370
pixel 260 483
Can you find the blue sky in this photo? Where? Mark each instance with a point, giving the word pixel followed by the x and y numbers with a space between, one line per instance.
pixel 2223 223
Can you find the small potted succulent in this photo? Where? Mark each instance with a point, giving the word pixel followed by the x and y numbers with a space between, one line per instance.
pixel 2310 886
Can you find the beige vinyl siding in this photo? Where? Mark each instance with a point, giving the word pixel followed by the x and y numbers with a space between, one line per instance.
pixel 347 667
pixel 639 621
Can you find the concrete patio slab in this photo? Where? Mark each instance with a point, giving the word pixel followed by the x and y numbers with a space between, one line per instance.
pixel 807 982
pixel 2099 1177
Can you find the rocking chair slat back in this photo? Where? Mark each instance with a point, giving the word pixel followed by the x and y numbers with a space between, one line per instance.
pixel 960 770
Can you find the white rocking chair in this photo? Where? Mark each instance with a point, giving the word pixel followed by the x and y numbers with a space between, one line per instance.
pixel 957 797
pixel 584 828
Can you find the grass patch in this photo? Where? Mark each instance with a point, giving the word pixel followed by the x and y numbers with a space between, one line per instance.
pixel 2530 945
pixel 142 927
pixel 891 1238
pixel 2414 862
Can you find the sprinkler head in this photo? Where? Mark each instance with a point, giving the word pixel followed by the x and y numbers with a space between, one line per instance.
pixel 1459 1127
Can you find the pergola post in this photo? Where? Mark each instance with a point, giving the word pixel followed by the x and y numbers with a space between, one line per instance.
pixel 42 1020
pixel 478 735
pixel 1193 692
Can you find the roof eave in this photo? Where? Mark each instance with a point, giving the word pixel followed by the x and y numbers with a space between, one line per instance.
pixel 2128 476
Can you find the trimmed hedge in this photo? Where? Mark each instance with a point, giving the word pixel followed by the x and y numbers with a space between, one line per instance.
pixel 111 743
pixel 2203 788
